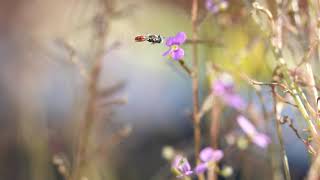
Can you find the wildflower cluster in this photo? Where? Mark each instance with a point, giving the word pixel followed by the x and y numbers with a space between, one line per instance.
pixel 181 166
pixel 209 159
pixel 223 89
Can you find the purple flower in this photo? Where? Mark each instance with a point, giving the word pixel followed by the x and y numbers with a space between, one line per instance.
pixel 182 166
pixel 257 138
pixel 261 140
pixel 211 6
pixel 208 157
pixel 224 88
pixel 215 7
pixel 174 43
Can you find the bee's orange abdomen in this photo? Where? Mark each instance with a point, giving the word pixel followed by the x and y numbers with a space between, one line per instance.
pixel 140 38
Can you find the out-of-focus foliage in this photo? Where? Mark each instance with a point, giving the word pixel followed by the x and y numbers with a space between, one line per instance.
pixel 44 95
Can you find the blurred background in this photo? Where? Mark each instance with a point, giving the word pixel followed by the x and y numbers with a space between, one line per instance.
pixel 44 93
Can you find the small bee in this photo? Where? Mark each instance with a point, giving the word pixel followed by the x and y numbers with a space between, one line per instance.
pixel 154 39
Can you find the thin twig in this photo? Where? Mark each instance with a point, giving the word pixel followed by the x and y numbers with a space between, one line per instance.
pixel 283 100
pixel 287 120
pixel 255 83
pixel 74 59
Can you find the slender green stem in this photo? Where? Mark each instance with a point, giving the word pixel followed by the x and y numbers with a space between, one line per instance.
pixel 295 91
pixel 302 108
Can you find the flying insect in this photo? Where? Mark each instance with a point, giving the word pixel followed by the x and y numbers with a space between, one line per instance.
pixel 154 39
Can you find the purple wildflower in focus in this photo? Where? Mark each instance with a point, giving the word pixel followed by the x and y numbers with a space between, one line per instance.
pixel 208 157
pixel 215 6
pixel 174 43
pixel 182 166
pixel 259 139
pixel 224 88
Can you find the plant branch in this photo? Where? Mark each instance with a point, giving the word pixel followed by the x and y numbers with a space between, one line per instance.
pixel 287 120
pixel 195 84
pixel 276 42
pixel 81 159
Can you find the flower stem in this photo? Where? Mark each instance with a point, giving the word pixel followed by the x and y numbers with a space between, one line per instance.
pixel 195 84
pixel 280 136
pixel 185 67
pixel 214 133
pixel 195 80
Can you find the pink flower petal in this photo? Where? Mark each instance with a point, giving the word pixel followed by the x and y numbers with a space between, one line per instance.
pixel 209 154
pixel 261 140
pixel 181 37
pixel 234 101
pixel 177 54
pixel 201 168
pixel 167 52
pixel 170 41
pixel 176 161
pixel 246 126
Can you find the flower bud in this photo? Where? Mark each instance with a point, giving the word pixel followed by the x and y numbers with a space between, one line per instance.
pixel 227 171
pixel 168 153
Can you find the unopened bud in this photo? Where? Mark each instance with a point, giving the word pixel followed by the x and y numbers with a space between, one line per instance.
pixel 227 171
pixel 168 153
pixel 242 143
